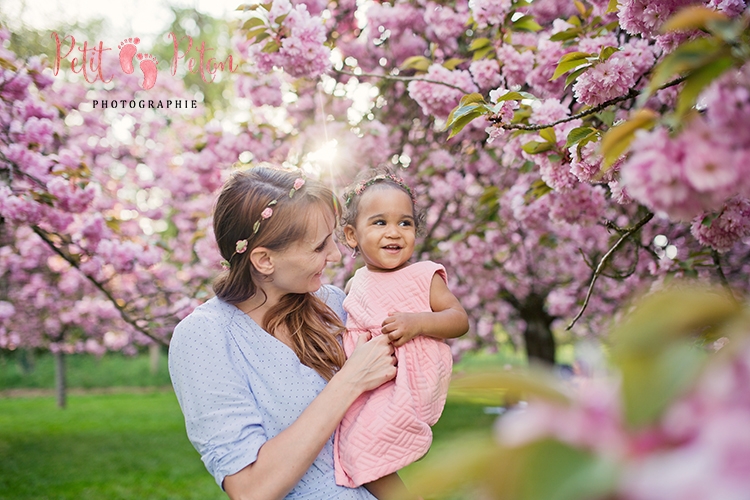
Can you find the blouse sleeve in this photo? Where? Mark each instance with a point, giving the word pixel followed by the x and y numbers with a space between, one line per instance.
pixel 221 413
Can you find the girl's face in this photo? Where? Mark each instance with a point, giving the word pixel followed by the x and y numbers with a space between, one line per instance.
pixel 299 268
pixel 385 229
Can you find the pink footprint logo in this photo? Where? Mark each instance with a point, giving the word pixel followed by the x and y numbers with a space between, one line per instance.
pixel 127 51
pixel 148 66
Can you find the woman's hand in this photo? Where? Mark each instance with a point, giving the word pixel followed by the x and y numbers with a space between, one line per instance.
pixel 371 364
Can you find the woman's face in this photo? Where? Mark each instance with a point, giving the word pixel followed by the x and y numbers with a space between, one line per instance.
pixel 299 268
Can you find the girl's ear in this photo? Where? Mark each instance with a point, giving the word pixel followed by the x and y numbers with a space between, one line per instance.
pixel 351 236
pixel 261 260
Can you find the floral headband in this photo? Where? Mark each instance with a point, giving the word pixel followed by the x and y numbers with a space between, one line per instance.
pixel 360 188
pixel 242 245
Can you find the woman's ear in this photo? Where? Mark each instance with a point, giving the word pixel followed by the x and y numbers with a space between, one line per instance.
pixel 350 235
pixel 261 259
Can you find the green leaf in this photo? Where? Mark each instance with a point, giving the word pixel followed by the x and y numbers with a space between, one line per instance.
pixel 607 117
pixel 538 189
pixel 688 56
pixel 536 147
pixel 655 350
pixel 548 134
pixel 256 33
pixel 515 96
pixel 698 80
pixel 572 77
pixel 490 384
pixel 578 134
pixel 475 99
pixel 420 63
pixel 612 7
pixel 570 56
pixel 575 21
pixel 479 43
pixel 617 139
pixel 471 99
pixel 565 66
pixel 452 63
pixel 651 382
pixel 526 23
pixel 459 124
pixel 482 53
pixel 568 34
pixel 552 470
pixel 271 46
pixel 253 22
pixel 607 52
pixel 694 17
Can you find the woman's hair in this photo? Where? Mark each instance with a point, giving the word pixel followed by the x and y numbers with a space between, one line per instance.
pixel 382 178
pixel 241 213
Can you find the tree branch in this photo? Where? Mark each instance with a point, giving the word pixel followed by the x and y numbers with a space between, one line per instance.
pixel 123 313
pixel 722 277
pixel 400 78
pixel 603 262
pixel 632 94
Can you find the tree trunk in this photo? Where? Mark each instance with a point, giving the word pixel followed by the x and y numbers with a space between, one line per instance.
pixel 154 351
pixel 60 382
pixel 540 343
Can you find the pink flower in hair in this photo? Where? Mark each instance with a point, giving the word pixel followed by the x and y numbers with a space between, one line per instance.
pixel 265 214
pixel 297 184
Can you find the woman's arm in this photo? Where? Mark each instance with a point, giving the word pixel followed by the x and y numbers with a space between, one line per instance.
pixel 284 459
pixel 447 319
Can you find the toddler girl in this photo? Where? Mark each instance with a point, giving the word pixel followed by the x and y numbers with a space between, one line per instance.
pixel 389 427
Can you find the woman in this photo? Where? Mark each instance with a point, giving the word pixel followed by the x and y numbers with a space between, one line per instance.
pixel 258 370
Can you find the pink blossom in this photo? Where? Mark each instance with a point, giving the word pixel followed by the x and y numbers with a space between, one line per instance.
pixel 489 12
pixel 486 73
pixel 725 230
pixel 604 81
pixel 515 64
pixel 439 100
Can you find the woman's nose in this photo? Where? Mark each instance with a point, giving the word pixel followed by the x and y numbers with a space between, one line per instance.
pixel 334 255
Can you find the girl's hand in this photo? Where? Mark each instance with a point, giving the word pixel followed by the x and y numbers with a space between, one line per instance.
pixel 372 363
pixel 402 327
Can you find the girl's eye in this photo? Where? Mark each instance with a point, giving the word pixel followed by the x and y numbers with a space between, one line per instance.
pixel 379 223
pixel 406 223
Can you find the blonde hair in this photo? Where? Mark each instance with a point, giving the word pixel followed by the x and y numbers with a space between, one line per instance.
pixel 312 325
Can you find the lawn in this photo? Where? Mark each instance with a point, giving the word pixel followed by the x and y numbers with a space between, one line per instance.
pixel 124 445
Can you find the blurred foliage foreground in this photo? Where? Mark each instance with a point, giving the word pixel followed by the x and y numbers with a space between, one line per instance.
pixel 669 420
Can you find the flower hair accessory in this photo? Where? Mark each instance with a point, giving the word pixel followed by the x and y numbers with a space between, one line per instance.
pixel 362 186
pixel 242 245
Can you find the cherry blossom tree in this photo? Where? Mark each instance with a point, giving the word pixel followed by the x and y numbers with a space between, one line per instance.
pixel 106 232
pixel 567 152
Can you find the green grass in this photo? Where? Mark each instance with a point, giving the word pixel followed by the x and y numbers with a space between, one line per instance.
pixel 123 446
pixel 19 370
pixel 126 445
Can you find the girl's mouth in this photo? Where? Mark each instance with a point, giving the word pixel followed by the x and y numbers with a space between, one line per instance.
pixel 392 248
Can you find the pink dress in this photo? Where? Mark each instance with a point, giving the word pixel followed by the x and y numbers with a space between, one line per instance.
pixel 389 427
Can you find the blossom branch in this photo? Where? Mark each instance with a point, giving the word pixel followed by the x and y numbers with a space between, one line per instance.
pixel 632 94
pixel 720 271
pixel 400 78
pixel 45 236
pixel 605 258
